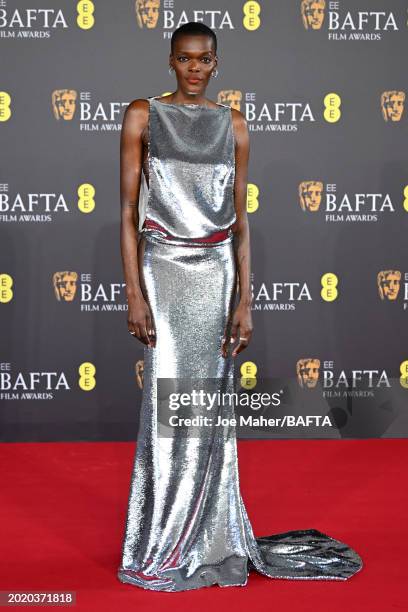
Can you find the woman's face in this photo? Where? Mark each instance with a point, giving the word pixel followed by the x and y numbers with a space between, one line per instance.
pixel 193 60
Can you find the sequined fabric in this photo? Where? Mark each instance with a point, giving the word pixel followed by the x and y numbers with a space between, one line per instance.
pixel 191 169
pixel 187 526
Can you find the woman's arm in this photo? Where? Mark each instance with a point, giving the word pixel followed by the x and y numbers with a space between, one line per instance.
pixel 131 158
pixel 241 322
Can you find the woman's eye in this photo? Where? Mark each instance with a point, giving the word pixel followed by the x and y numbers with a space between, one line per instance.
pixel 183 57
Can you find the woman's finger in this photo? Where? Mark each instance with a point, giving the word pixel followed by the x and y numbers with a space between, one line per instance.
pixel 242 344
pixel 150 330
pixel 234 333
pixel 145 335
pixel 225 339
pixel 131 329
pixel 140 333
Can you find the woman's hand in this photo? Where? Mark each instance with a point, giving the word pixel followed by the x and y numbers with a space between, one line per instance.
pixel 242 321
pixel 140 322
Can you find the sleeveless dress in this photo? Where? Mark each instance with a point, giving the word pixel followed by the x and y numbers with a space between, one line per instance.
pixel 187 525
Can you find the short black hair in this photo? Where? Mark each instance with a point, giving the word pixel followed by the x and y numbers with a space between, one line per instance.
pixel 193 28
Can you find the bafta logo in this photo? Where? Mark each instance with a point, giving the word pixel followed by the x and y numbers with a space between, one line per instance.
pixel 392 105
pixel 63 103
pixel 312 13
pixel 139 372
pixel 147 13
pixel 231 97
pixel 307 371
pixel 310 195
pixel 65 284
pixel 388 282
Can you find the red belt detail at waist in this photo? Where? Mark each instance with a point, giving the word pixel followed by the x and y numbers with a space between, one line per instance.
pixel 215 237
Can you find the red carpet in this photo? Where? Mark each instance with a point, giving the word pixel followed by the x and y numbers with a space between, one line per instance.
pixel 64 504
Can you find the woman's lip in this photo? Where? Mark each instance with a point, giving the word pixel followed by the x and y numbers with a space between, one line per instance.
pixel 193 80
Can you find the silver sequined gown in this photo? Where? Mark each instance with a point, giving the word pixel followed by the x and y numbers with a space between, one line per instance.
pixel 187 526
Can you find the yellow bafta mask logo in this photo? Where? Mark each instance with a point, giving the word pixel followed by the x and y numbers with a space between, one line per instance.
pixel 307 371
pixel 139 372
pixel 64 103
pixel 312 13
pixel 388 282
pixel 147 13
pixel 65 284
pixel 310 195
pixel 231 97
pixel 392 105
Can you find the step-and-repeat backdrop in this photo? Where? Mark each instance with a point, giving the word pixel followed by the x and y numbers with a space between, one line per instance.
pixel 323 86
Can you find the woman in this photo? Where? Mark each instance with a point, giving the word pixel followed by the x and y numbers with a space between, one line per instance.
pixel 183 193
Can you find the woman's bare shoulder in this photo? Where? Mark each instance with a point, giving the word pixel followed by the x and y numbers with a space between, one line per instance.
pixel 138 106
pixel 136 115
pixel 240 126
pixel 238 117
